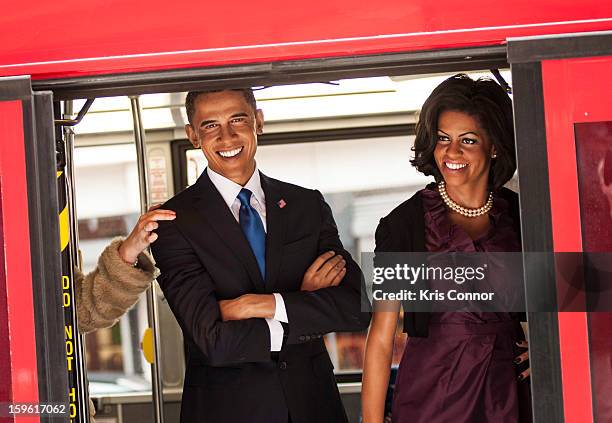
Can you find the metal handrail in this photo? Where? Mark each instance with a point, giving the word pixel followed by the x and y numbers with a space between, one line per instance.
pixel 152 312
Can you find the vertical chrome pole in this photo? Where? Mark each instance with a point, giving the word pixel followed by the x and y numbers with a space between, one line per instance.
pixel 81 373
pixel 141 158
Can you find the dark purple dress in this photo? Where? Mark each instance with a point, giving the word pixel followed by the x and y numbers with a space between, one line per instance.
pixel 463 372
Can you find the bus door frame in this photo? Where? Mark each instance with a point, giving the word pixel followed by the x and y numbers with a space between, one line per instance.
pixel 550 215
pixel 278 73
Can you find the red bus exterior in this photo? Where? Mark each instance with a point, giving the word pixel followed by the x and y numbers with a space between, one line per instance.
pixel 71 38
pixel 56 41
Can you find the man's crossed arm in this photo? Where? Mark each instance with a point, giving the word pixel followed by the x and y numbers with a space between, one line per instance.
pixel 327 270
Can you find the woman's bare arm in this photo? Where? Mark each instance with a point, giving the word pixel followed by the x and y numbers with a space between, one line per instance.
pixel 377 365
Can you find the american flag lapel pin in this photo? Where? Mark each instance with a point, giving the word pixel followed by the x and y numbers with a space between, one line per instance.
pixel 281 203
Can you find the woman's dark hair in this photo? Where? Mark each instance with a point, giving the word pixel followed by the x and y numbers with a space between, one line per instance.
pixel 482 99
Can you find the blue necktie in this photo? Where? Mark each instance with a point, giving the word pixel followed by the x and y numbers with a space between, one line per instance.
pixel 253 229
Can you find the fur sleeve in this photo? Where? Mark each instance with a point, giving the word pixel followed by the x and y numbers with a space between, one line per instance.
pixel 107 292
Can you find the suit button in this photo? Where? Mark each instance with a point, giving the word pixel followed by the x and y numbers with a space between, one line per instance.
pixel 283 365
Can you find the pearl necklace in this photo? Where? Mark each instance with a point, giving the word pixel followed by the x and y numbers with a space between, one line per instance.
pixel 464 211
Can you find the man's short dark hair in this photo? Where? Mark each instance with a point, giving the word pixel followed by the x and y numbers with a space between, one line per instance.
pixel 192 96
pixel 482 99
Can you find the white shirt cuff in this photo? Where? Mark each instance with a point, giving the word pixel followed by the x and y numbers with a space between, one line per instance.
pixel 276 334
pixel 280 312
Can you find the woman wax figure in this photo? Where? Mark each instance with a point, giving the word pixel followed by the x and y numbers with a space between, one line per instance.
pixel 457 366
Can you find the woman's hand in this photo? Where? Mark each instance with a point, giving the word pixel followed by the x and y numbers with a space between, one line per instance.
pixel 523 358
pixel 142 235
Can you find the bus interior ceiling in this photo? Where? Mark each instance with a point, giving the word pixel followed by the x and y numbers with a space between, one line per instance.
pixel 350 138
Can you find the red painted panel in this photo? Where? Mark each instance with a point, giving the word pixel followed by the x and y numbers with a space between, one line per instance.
pixel 18 275
pixel 575 367
pixel 72 37
pixel 575 90
pixel 565 210
pixel 565 206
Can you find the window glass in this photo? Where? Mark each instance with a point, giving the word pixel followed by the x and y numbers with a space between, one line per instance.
pixel 594 160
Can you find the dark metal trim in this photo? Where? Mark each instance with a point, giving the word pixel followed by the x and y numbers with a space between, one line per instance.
pixel 277 73
pixel 597 397
pixel 348 377
pixel 52 329
pixel 536 230
pixel 179 163
pixel 536 49
pixel 180 147
pixel 337 134
pixel 70 264
pixel 15 88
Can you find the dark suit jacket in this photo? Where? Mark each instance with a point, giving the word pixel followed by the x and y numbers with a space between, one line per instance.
pixel 404 230
pixel 204 257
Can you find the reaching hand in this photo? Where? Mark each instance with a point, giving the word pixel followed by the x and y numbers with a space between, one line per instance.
pixel 327 270
pixel 142 235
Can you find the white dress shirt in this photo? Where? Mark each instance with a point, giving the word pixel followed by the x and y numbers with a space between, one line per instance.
pixel 229 190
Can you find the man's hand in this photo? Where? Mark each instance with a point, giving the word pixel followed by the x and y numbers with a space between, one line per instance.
pixel 248 306
pixel 327 270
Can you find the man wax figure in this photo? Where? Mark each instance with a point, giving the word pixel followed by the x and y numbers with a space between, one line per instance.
pixel 255 273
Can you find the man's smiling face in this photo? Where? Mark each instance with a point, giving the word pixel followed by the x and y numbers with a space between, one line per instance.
pixel 225 127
